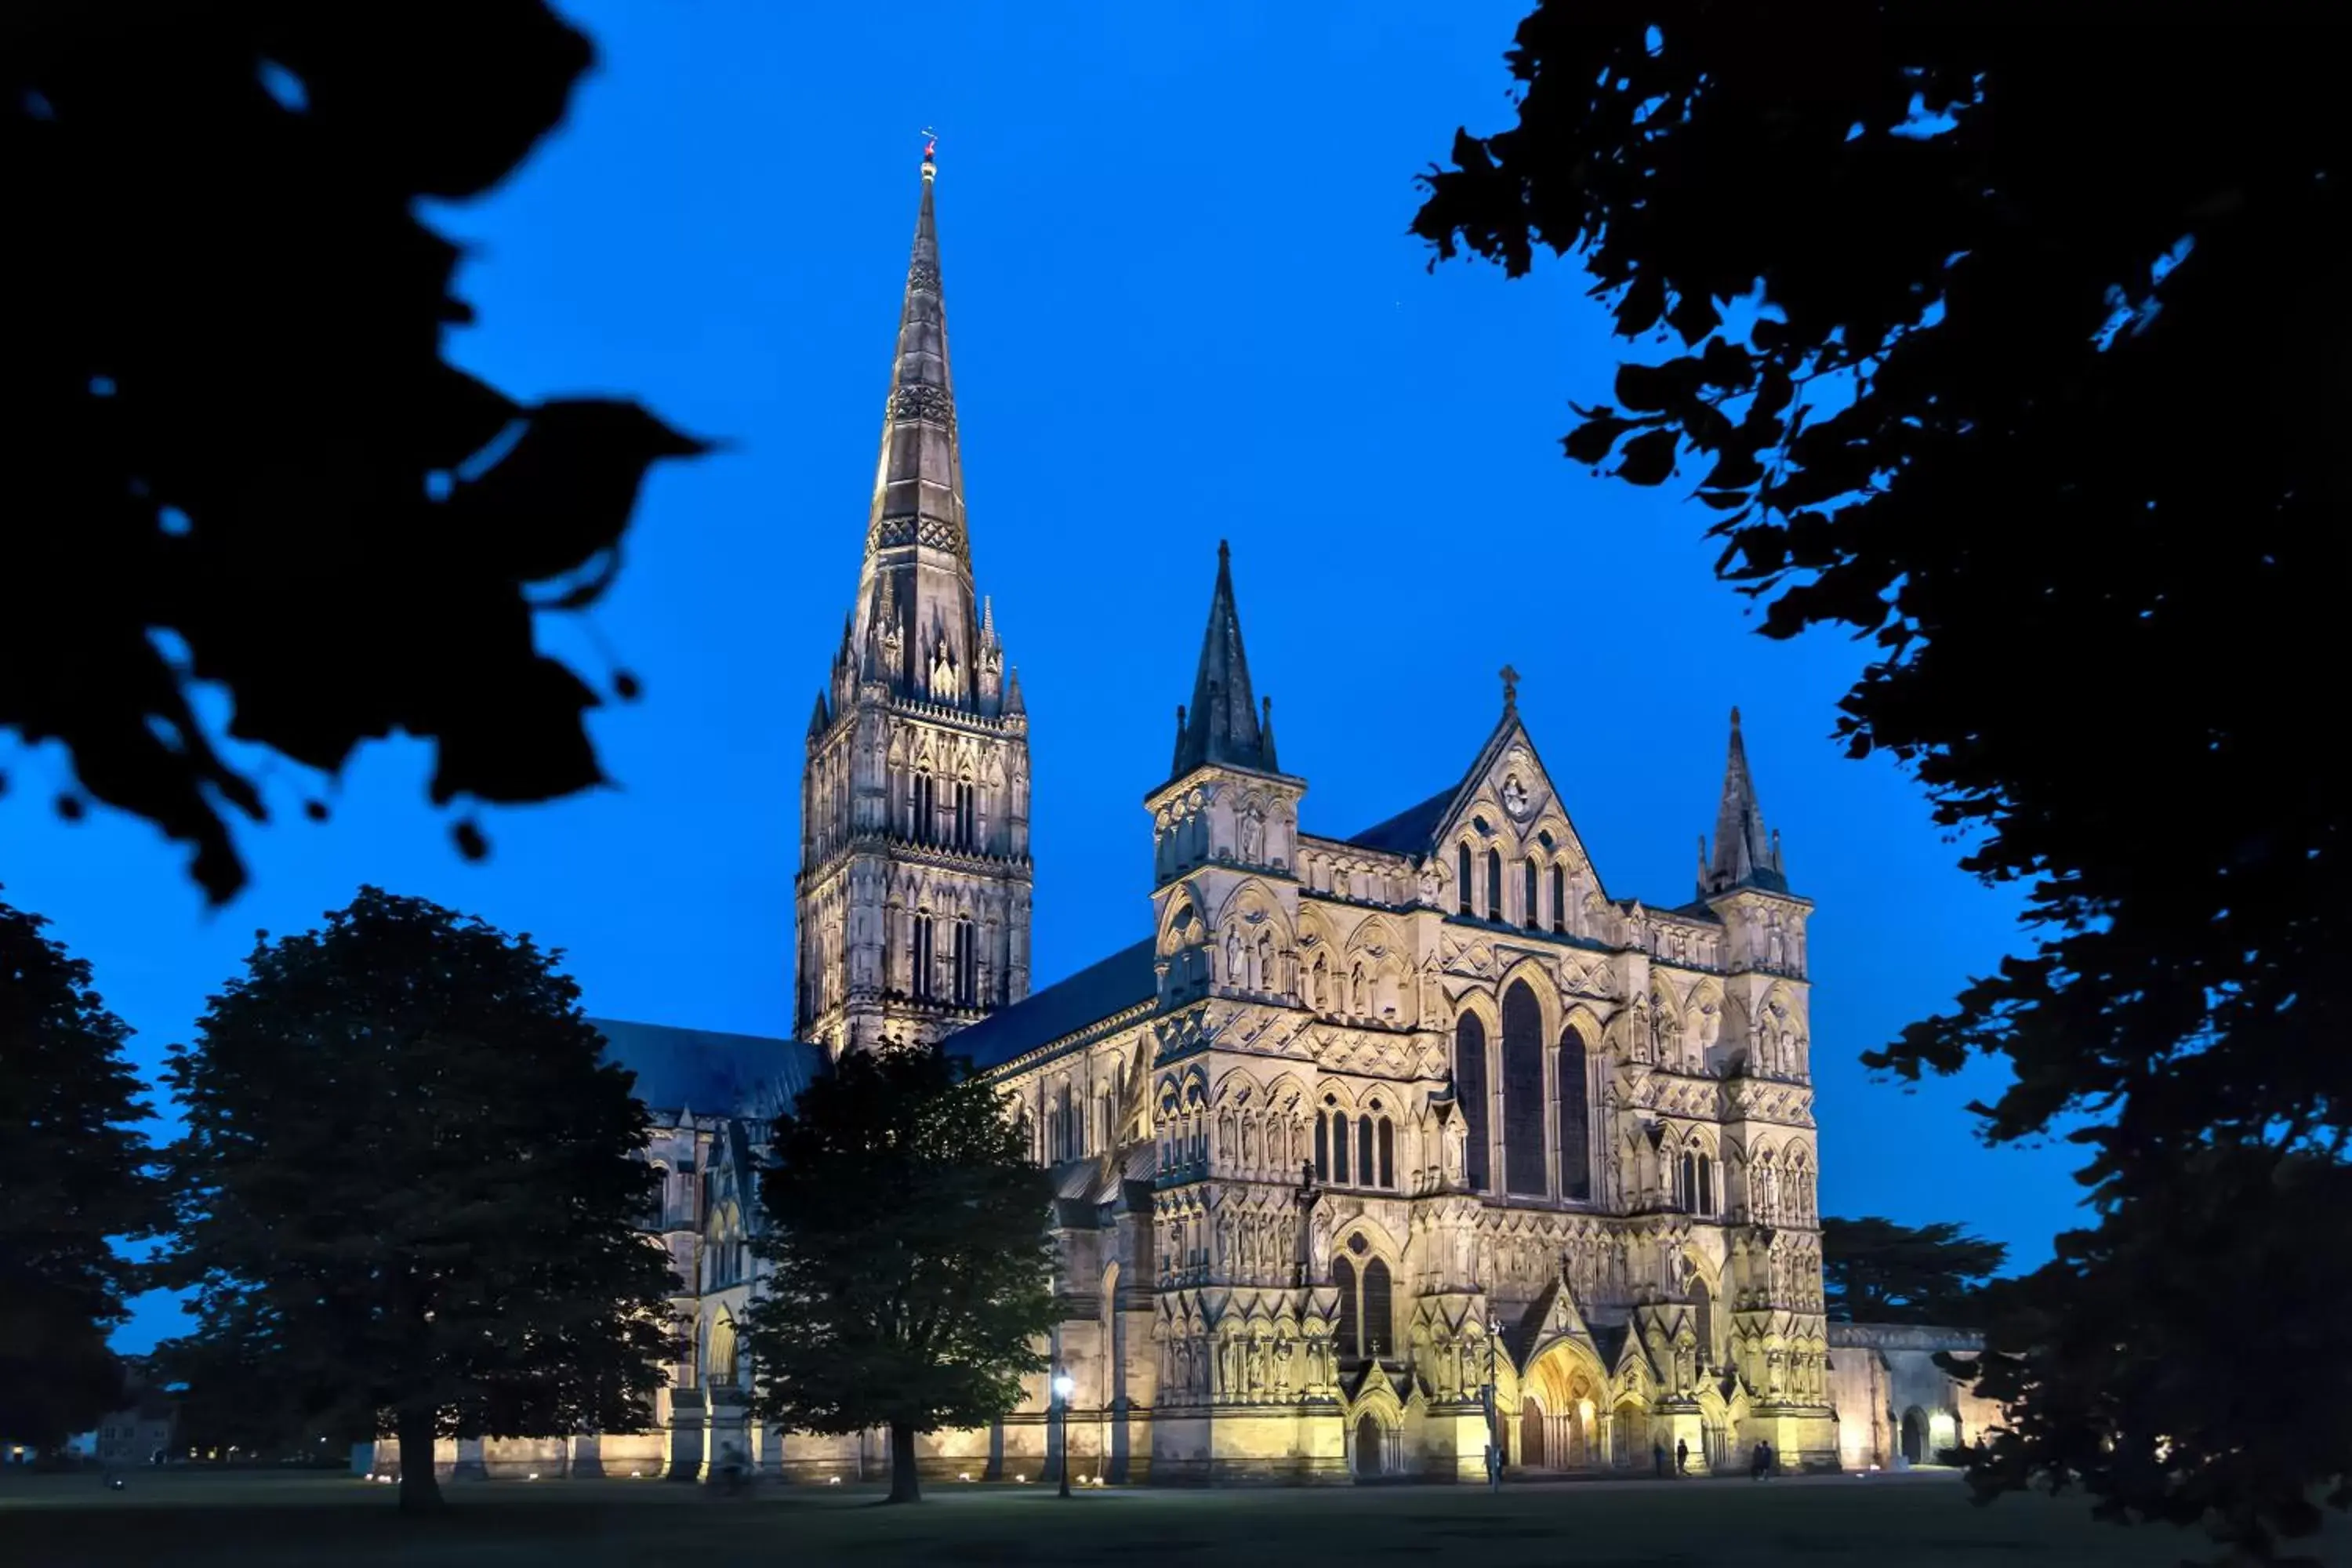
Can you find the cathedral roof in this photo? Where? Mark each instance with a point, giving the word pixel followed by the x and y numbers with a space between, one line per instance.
pixel 710 1073
pixel 1410 830
pixel 1127 978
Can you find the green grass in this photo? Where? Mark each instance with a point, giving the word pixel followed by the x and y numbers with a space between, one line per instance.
pixel 165 1520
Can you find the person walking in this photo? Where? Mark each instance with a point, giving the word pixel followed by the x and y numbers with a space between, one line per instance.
pixel 1682 1457
pixel 1758 1461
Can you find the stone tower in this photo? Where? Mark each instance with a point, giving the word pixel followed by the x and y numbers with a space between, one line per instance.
pixel 914 887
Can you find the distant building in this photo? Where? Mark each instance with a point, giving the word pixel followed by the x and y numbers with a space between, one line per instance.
pixel 142 1428
pixel 1368 1145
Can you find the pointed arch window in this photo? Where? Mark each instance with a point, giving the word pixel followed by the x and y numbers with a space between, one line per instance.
pixel 967 965
pixel 1470 1094
pixel 1388 1154
pixel 1366 1168
pixel 1322 1146
pixel 1532 915
pixel 1343 1275
pixel 1523 1093
pixel 1462 875
pixel 1494 884
pixel 1575 1119
pixel 926 960
pixel 1340 1148
pixel 1379 1310
pixel 1559 899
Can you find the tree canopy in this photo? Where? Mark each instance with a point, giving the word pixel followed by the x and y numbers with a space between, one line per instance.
pixel 2016 351
pixel 237 454
pixel 1876 1271
pixel 75 1177
pixel 410 1188
pixel 905 1230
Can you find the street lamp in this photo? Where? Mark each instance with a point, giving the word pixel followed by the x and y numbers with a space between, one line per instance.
pixel 1064 1386
pixel 1494 1416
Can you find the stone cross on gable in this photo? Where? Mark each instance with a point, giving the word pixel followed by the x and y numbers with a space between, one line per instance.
pixel 1510 687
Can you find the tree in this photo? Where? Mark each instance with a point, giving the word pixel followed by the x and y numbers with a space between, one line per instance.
pixel 2014 350
pixel 410 1188
pixel 910 1263
pixel 235 453
pixel 1876 1271
pixel 75 1179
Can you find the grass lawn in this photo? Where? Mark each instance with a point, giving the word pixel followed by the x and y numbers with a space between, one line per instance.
pixel 265 1521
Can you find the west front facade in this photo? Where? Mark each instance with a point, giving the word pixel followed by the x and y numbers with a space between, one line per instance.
pixel 1374 1151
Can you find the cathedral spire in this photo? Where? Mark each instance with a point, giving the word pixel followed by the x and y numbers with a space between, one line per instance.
pixel 1222 725
pixel 915 539
pixel 1745 855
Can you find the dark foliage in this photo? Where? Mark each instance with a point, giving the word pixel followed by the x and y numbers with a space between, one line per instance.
pixel 409 1193
pixel 911 1261
pixel 74 1178
pixel 235 452
pixel 1876 1271
pixel 2018 350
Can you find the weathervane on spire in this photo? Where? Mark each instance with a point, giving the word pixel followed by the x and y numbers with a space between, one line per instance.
pixel 931 146
pixel 1510 689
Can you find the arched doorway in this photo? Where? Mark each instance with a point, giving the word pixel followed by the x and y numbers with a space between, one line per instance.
pixel 1915 1437
pixel 1560 1417
pixel 1369 1444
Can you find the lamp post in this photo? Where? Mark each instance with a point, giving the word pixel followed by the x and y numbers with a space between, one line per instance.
pixel 1494 1414
pixel 1064 1385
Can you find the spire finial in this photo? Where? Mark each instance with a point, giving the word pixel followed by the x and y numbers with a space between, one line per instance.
pixel 1510 690
pixel 1735 716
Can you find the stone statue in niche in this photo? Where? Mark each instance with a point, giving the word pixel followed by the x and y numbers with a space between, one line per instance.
pixel 1233 956
pixel 1253 837
pixel 1775 944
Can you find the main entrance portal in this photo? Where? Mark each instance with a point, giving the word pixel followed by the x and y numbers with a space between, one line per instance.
pixel 1559 1425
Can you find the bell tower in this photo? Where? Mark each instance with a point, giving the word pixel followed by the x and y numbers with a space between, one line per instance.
pixel 913 894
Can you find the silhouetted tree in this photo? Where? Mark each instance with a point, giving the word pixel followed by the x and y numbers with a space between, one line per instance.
pixel 410 1188
pixel 235 452
pixel 75 1178
pixel 1876 1271
pixel 910 1260
pixel 2016 349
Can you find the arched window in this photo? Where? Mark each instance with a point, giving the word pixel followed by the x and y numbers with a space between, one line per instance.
pixel 1388 1154
pixel 1523 1092
pixel 926 960
pixel 1322 1146
pixel 1706 1184
pixel 1072 1134
pixel 1689 1191
pixel 1379 1310
pixel 1340 1148
pixel 1494 884
pixel 1343 1275
pixel 719 1364
pixel 1575 1119
pixel 1532 915
pixel 1365 1165
pixel 967 965
pixel 1558 898
pixel 1470 1093
pixel 1462 875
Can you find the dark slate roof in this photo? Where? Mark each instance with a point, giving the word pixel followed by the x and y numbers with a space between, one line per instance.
pixel 708 1072
pixel 1409 831
pixel 1109 985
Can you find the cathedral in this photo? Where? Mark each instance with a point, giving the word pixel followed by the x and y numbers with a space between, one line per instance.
pixel 1379 1151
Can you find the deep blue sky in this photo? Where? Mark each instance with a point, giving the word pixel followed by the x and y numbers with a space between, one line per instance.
pixel 1184 307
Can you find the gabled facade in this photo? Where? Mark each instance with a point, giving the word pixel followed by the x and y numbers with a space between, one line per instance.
pixel 1373 1124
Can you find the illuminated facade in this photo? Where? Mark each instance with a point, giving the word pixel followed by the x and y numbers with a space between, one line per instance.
pixel 1370 1147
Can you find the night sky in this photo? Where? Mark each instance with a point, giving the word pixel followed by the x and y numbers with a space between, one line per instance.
pixel 1184 307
